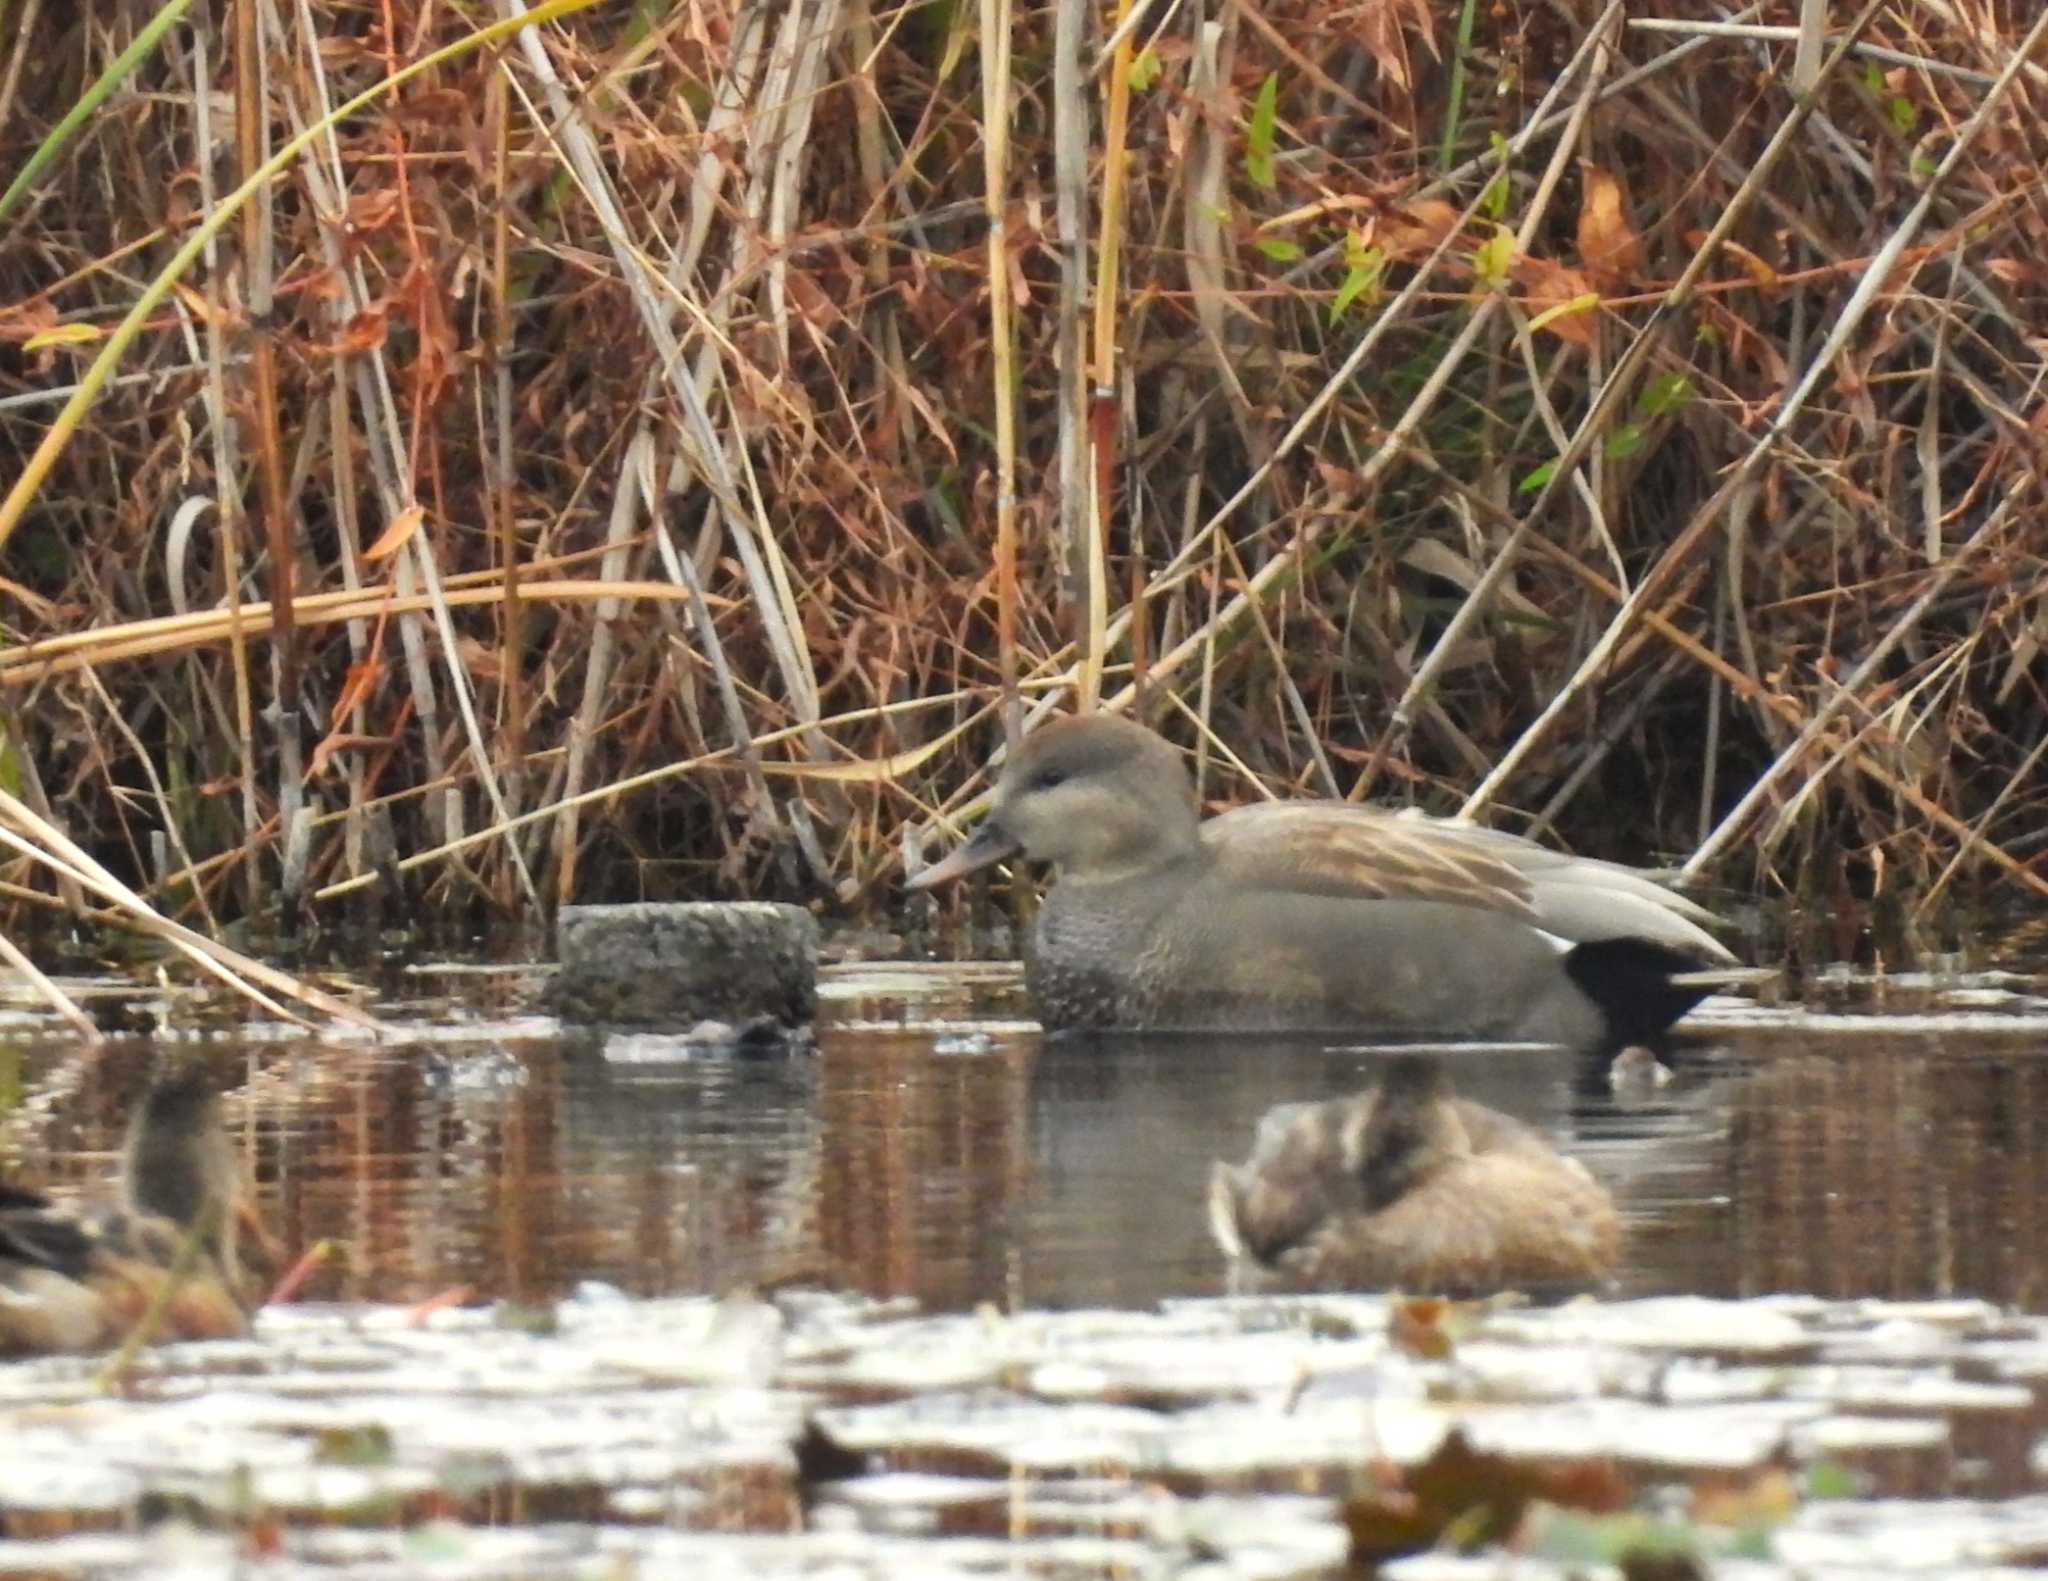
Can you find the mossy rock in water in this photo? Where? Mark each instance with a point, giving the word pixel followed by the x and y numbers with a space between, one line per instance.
pixel 673 965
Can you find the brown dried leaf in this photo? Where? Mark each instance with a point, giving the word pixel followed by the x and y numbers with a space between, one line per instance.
pixel 1413 229
pixel 1379 34
pixel 1558 298
pixel 441 106
pixel 1485 1495
pixel 340 741
pixel 393 538
pixel 372 210
pixel 356 688
pixel 1608 245
pixel 365 331
pixel 1418 1325
pixel 1421 24
pixel 1758 270
pixel 421 291
pixel 1767 1497
pixel 201 309
pixel 484 663
pixel 340 51
pixel 813 301
pixel 2013 271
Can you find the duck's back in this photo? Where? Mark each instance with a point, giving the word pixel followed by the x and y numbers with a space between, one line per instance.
pixel 79 1282
pixel 1512 1220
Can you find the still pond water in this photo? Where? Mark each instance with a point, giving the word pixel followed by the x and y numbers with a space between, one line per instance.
pixel 935 1146
pixel 579 1404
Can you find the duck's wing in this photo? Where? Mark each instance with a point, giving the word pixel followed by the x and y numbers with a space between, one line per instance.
pixel 1358 853
pixel 34 1233
pixel 1584 899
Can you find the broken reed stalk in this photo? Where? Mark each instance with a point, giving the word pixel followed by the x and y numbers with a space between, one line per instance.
pixel 504 510
pixel 41 841
pixel 995 115
pixel 258 271
pixel 53 995
pixel 34 663
pixel 224 431
pixel 1101 427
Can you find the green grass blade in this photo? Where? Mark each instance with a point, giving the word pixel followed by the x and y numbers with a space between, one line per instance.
pixel 98 94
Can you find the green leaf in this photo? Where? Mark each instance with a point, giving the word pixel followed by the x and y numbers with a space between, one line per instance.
pixel 1145 69
pixel 1363 267
pixel 1584 302
pixel 1494 256
pixel 1493 203
pixel 1536 479
pixel 365 1444
pixel 1905 116
pixel 1258 137
pixel 1624 442
pixel 1278 248
pixel 1665 393
pixel 647 15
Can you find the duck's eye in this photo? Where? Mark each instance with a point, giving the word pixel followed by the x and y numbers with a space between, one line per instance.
pixel 1048 779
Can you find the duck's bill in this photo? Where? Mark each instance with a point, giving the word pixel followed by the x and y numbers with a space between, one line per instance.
pixel 987 846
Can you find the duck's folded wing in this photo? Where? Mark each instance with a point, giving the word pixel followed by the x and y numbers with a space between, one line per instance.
pixel 1327 848
pixel 34 1234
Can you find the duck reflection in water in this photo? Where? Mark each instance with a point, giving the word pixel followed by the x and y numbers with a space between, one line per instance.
pixel 79 1278
pixel 1408 1186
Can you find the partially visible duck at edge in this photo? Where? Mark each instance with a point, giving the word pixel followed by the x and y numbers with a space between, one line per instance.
pixel 78 1278
pixel 1319 916
pixel 1409 1187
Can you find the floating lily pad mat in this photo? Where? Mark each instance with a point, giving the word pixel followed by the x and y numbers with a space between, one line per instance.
pixel 814 1435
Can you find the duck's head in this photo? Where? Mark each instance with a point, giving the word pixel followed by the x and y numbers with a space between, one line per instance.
pixel 1098 797
pixel 179 1166
pixel 1411 1131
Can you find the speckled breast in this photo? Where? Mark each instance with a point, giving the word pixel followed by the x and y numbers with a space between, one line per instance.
pixel 1080 968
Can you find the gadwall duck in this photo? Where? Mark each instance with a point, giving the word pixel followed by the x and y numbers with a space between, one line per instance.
pixel 1409 1187
pixel 79 1278
pixel 1318 916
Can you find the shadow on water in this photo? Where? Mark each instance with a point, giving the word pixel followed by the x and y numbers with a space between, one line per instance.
pixel 973 1162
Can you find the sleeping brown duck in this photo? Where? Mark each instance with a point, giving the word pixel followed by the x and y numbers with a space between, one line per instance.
pixel 1409 1187
pixel 78 1278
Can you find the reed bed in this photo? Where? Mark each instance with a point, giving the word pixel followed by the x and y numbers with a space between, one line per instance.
pixel 506 457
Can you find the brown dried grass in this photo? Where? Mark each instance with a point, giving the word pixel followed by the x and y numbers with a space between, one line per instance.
pixel 736 261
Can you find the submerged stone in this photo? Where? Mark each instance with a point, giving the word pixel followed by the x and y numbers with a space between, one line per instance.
pixel 745 964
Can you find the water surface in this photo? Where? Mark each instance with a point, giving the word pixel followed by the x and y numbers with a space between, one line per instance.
pixel 935 1146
